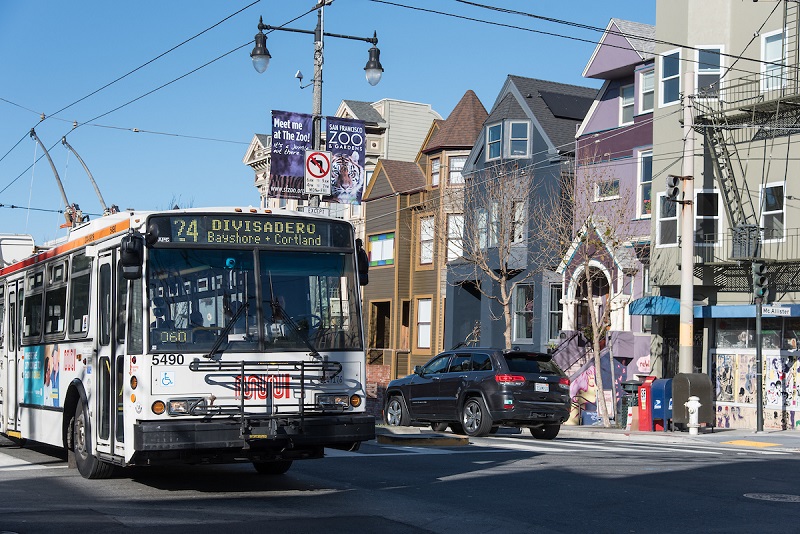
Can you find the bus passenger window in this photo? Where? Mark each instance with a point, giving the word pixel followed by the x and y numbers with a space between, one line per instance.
pixel 2 316
pixel 79 295
pixel 32 308
pixel 55 302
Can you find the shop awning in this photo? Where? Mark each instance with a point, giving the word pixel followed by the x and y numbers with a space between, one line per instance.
pixel 656 305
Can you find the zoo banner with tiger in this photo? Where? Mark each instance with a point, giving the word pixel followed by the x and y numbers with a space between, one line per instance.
pixel 346 141
pixel 291 136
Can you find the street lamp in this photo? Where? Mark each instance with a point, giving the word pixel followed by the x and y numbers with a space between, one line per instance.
pixel 261 57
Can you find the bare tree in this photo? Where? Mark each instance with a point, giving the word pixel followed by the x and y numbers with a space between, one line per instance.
pixel 600 250
pixel 500 237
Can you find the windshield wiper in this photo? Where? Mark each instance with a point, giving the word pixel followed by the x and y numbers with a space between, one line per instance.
pixel 223 335
pixel 276 307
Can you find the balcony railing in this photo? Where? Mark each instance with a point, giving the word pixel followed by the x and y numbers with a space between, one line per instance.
pixel 782 245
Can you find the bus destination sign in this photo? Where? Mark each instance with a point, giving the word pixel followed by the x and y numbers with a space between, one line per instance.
pixel 235 229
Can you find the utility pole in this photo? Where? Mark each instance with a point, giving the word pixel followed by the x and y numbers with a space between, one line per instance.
pixel 686 332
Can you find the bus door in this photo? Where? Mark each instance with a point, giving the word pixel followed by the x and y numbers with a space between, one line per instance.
pixel 110 356
pixel 12 354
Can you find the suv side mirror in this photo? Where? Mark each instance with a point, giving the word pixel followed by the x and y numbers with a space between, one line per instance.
pixel 418 370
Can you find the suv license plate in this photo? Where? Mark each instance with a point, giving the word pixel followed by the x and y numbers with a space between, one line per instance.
pixel 542 387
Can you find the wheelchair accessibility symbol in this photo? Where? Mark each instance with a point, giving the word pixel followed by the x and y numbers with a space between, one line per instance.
pixel 167 378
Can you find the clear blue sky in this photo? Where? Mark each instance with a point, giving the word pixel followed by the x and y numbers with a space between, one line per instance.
pixel 194 132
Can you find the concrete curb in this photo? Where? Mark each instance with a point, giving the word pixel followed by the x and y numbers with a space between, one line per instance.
pixel 422 440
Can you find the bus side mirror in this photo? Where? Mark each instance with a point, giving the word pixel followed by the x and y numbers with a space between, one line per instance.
pixel 132 256
pixel 362 261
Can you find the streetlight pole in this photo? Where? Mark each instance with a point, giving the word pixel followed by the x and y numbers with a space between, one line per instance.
pixel 261 57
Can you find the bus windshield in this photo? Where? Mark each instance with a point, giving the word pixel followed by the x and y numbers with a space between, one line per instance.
pixel 294 301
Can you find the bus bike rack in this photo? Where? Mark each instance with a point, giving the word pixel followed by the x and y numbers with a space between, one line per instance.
pixel 235 376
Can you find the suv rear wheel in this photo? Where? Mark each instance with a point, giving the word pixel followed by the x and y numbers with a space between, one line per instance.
pixel 545 431
pixel 475 417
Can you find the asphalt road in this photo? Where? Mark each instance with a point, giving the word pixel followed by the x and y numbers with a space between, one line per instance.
pixel 504 484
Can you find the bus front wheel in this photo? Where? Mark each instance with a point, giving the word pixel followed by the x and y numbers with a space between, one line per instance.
pixel 88 464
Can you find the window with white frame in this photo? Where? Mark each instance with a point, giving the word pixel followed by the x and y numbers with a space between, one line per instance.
pixel 494 224
pixel 626 104
pixel 494 141
pixel 424 323
pixel 706 225
pixel 772 212
pixel 667 222
pixel 518 222
pixel 456 164
pixel 645 184
pixel 523 312
pixel 381 249
pixel 556 310
pixel 647 97
pixel 483 228
pixel 671 77
pixel 518 140
pixel 606 189
pixel 426 233
pixel 435 170
pixel 773 63
pixel 709 71
pixel 455 239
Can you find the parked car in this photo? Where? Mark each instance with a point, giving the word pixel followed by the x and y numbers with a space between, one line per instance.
pixel 476 390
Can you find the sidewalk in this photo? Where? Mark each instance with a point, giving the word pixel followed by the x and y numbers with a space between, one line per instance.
pixel 784 440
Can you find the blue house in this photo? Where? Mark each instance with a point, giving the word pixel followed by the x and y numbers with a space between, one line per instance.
pixel 530 129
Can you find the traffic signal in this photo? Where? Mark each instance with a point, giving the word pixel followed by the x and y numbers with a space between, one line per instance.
pixel 760 280
pixel 673 187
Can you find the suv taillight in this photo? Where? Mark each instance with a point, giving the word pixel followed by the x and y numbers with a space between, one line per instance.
pixel 563 382
pixel 510 379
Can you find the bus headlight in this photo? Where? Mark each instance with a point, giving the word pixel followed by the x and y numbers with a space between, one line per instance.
pixel 333 400
pixel 187 407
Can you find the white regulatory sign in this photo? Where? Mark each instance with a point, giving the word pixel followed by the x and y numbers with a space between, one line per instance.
pixel 318 172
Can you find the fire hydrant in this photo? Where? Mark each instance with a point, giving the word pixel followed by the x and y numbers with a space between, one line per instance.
pixel 693 406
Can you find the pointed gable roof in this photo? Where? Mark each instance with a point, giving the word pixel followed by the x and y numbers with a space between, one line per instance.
pixel 461 128
pixel 557 107
pixel 623 45
pixel 403 176
pixel 356 109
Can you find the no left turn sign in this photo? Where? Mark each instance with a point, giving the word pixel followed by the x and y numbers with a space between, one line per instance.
pixel 318 170
pixel 318 164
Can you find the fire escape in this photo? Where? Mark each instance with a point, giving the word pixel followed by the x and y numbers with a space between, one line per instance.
pixel 743 114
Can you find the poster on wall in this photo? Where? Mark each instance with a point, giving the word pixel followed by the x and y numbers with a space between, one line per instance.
pixel 346 140
pixel 291 136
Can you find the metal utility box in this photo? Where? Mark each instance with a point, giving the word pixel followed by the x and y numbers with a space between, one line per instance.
pixel 645 405
pixel 661 395
pixel 686 385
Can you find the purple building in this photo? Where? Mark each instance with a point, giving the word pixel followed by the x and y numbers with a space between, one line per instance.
pixel 607 265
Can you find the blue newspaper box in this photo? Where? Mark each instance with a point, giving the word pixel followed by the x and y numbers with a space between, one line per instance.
pixel 661 397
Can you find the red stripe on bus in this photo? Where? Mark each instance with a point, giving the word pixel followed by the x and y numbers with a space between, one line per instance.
pixel 70 245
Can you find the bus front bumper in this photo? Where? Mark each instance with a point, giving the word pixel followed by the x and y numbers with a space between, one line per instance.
pixel 291 432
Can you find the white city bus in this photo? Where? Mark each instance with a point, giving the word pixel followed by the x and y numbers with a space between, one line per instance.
pixel 196 335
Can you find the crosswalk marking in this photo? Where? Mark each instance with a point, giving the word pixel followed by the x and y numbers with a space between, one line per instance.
pixel 500 444
pixel 10 463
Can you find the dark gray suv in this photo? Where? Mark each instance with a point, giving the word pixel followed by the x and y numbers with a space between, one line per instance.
pixel 476 390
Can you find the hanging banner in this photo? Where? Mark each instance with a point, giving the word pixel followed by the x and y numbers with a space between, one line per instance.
pixel 346 140
pixel 291 136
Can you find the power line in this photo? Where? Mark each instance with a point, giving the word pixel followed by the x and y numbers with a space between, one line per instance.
pixel 579 39
pixel 77 125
